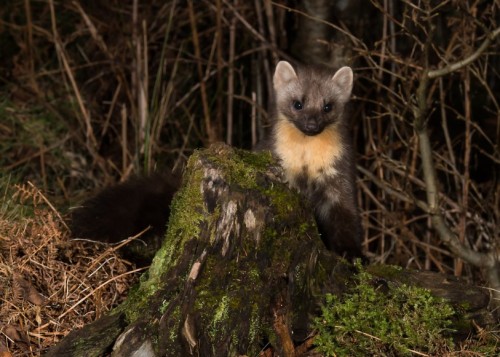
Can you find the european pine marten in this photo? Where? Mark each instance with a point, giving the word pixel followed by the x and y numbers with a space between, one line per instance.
pixel 310 137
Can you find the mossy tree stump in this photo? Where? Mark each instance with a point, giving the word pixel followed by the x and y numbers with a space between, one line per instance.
pixel 234 270
pixel 242 265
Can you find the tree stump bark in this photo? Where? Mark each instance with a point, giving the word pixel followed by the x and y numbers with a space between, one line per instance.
pixel 242 265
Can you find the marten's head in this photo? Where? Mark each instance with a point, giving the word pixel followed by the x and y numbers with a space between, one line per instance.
pixel 311 97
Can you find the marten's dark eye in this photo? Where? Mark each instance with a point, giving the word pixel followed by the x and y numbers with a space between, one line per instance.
pixel 297 105
pixel 327 108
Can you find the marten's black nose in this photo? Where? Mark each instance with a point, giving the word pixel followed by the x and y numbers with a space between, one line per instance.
pixel 311 127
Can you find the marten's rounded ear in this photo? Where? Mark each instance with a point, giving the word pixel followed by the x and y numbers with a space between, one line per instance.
pixel 283 74
pixel 342 80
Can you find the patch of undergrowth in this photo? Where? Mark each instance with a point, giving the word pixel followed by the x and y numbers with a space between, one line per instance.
pixel 10 209
pixel 370 322
pixel 34 146
pixel 486 342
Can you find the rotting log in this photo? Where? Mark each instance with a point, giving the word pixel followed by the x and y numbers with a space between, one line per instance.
pixel 241 266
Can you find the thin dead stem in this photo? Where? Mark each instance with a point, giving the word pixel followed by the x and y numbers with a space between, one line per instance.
pixel 211 135
pixel 67 68
pixel 466 61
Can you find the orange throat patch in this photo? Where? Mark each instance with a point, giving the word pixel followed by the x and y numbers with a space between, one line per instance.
pixel 300 154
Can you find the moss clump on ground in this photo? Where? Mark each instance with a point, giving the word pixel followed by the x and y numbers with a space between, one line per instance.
pixel 398 322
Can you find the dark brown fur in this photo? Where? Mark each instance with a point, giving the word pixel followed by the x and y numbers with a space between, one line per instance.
pixel 126 209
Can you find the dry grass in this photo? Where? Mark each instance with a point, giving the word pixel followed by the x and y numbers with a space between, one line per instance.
pixel 52 285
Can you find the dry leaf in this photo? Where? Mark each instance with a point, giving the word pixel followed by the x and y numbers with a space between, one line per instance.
pixel 23 288
pixel 15 334
pixel 4 351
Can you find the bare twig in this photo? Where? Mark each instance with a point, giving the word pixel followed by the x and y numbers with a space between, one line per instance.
pixel 45 199
pixel 230 82
pixel 211 135
pixel 466 61
pixel 91 140
pixel 93 291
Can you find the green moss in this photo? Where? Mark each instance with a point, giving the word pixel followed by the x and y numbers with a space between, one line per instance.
pixel 386 271
pixel 188 209
pixel 284 200
pixel 164 306
pixel 221 306
pixel 219 317
pixel 369 322
pixel 242 167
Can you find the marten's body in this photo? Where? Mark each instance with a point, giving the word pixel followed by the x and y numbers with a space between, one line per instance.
pixel 309 137
pixel 124 210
